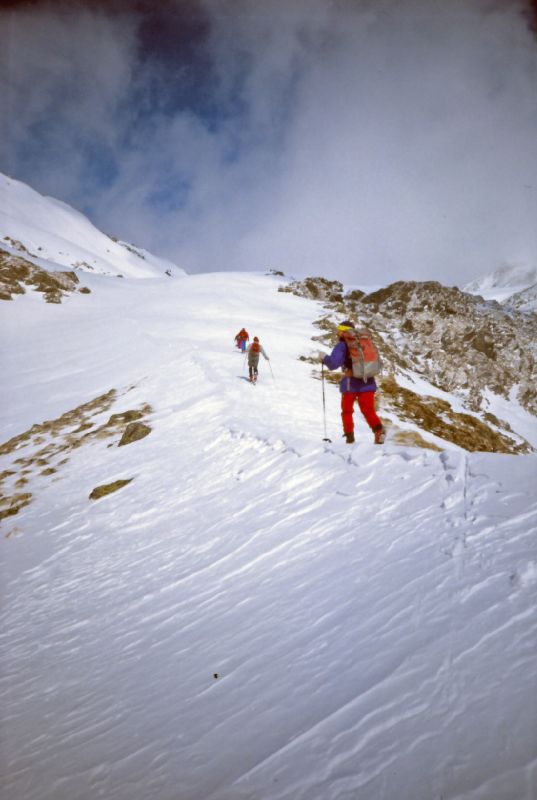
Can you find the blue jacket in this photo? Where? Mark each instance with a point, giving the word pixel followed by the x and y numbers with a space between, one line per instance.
pixel 339 357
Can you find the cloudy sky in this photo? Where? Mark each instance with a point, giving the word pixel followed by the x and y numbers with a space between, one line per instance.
pixel 366 140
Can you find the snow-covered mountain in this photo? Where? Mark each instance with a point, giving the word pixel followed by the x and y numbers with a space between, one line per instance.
pixel 202 599
pixel 524 300
pixel 505 282
pixel 44 230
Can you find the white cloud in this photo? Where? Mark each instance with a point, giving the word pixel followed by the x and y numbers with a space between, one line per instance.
pixel 67 72
pixel 352 139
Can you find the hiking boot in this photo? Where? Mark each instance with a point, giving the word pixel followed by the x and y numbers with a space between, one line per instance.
pixel 380 434
pixel 349 437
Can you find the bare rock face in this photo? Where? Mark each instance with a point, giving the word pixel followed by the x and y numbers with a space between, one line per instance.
pixel 16 273
pixel 108 488
pixel 133 432
pixel 316 289
pixel 457 341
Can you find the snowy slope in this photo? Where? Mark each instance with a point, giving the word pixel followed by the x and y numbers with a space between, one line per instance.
pixel 505 281
pixel 524 300
pixel 43 230
pixel 258 614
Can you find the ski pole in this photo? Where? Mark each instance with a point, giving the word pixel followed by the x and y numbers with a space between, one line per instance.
pixel 326 439
pixel 271 372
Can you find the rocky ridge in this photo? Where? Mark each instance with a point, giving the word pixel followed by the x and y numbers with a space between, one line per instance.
pixel 458 343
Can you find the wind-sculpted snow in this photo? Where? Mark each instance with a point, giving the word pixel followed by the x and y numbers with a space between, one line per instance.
pixel 257 614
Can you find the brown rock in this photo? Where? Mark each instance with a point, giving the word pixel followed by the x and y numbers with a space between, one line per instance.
pixel 133 432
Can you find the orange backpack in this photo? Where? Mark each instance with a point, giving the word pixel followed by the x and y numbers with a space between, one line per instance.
pixel 364 355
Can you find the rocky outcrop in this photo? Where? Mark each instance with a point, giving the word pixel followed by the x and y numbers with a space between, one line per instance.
pixel 457 342
pixel 133 432
pixel 16 273
pixel 108 488
pixel 45 449
pixel 316 289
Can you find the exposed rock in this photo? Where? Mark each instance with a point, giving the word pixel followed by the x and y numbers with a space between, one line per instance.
pixel 108 488
pixel 45 447
pixel 126 416
pixel 457 341
pixel 9 506
pixel 437 417
pixel 133 432
pixel 409 438
pixel 356 294
pixel 60 426
pixel 316 289
pixel 132 249
pixel 17 245
pixel 16 273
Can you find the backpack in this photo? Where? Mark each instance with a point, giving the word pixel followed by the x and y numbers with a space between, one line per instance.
pixel 363 353
pixel 255 347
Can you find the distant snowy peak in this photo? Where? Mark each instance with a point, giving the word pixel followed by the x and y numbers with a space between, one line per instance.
pixel 45 230
pixel 504 282
pixel 526 300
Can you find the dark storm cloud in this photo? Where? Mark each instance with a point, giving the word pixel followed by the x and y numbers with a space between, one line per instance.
pixel 356 139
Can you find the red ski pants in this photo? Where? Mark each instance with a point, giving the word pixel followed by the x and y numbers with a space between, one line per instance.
pixel 366 402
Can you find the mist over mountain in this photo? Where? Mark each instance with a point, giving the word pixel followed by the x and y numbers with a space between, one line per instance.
pixel 504 282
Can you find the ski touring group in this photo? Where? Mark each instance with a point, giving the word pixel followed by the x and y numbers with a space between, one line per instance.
pixel 358 358
pixel 253 351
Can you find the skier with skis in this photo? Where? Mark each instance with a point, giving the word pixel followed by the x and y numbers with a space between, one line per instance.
pixel 354 389
pixel 241 338
pixel 253 351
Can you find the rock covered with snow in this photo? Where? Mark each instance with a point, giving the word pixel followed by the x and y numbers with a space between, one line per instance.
pixel 456 341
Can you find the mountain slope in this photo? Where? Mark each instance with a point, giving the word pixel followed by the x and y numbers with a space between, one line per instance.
pixel 524 300
pixel 506 281
pixel 256 614
pixel 45 230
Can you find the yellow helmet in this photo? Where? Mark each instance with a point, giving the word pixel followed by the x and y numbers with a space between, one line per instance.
pixel 347 325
